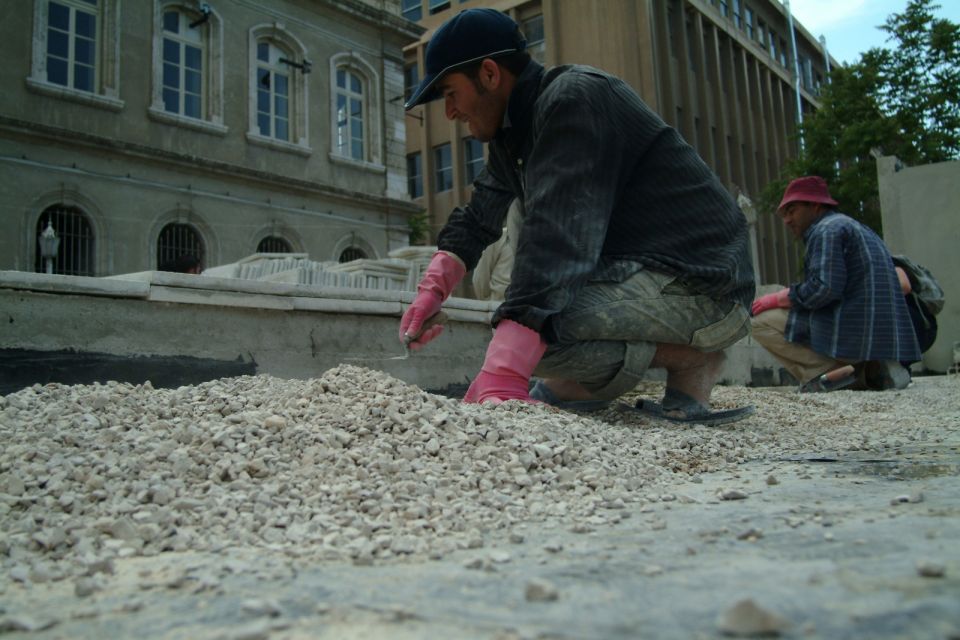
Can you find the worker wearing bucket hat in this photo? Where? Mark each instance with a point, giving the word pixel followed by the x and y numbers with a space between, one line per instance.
pixel 846 324
pixel 630 254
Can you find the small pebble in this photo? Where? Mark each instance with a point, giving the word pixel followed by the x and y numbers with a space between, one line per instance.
pixel 930 569
pixel 732 494
pixel 85 586
pixel 541 590
pixel 747 619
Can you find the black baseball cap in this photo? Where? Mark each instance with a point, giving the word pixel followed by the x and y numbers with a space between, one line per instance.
pixel 469 36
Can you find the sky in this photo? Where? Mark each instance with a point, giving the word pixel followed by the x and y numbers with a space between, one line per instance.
pixel 850 26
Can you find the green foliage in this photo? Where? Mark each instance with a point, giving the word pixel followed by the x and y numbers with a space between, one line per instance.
pixel 921 88
pixel 902 101
pixel 419 227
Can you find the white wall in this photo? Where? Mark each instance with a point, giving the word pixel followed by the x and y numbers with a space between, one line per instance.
pixel 921 219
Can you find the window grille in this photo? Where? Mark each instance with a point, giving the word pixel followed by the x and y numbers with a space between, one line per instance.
pixel 178 240
pixel 352 253
pixel 350 115
pixel 443 167
pixel 274 244
pixel 415 175
pixel 75 255
pixel 72 44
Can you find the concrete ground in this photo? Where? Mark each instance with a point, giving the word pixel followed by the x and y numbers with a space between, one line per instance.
pixel 824 544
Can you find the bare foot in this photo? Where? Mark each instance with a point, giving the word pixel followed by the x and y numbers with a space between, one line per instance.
pixel 689 371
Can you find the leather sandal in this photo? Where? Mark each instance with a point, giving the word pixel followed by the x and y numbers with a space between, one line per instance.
pixel 693 414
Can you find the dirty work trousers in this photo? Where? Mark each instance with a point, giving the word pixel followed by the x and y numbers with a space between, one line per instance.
pixel 609 333
pixel 801 361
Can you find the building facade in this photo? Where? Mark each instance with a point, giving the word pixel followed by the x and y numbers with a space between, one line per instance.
pixel 723 72
pixel 143 131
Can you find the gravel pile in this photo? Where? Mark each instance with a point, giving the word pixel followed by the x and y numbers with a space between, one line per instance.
pixel 358 465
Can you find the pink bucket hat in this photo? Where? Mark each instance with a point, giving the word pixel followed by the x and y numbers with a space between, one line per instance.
pixel 807 189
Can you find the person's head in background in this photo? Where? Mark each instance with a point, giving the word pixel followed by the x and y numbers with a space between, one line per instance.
pixel 185 263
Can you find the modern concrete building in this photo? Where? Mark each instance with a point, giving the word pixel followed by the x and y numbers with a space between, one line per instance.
pixel 140 131
pixel 723 72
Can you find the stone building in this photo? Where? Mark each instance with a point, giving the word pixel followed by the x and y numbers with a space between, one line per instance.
pixel 726 73
pixel 144 130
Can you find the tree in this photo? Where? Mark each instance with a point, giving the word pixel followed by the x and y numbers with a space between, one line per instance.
pixel 902 101
pixel 419 227
pixel 921 83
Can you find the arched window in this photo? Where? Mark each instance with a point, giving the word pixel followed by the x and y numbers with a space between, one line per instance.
pixel 273 91
pixel 75 255
pixel 187 68
pixel 177 240
pixel 274 244
pixel 75 52
pixel 183 72
pixel 72 45
pixel 351 116
pixel 355 112
pixel 278 89
pixel 352 253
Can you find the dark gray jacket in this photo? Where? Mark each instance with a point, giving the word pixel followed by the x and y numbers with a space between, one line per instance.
pixel 607 189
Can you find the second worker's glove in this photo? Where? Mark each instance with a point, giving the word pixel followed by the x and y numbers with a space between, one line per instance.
pixel 776 300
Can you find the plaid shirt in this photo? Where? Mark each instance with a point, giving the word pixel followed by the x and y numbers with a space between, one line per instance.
pixel 607 189
pixel 849 304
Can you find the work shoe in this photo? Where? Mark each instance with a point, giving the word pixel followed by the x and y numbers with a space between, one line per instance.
pixel 885 375
pixel 822 384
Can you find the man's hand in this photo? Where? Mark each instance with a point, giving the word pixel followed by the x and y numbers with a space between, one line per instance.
pixel 512 356
pixel 442 275
pixel 776 300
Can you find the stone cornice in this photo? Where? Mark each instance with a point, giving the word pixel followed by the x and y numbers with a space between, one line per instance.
pixel 379 17
pixel 58 135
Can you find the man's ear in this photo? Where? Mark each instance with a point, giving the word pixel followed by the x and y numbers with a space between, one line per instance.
pixel 489 74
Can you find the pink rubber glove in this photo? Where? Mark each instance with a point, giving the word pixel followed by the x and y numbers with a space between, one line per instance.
pixel 443 273
pixel 776 300
pixel 905 286
pixel 512 356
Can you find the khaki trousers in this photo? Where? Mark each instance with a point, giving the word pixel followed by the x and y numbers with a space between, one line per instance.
pixel 801 361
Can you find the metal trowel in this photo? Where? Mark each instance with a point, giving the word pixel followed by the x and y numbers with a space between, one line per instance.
pixel 438 318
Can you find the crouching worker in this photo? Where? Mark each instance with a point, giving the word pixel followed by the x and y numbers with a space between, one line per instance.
pixel 630 253
pixel 846 324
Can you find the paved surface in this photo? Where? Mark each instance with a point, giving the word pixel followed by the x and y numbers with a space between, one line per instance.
pixel 834 547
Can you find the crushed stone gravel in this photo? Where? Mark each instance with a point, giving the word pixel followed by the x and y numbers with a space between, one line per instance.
pixel 357 465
